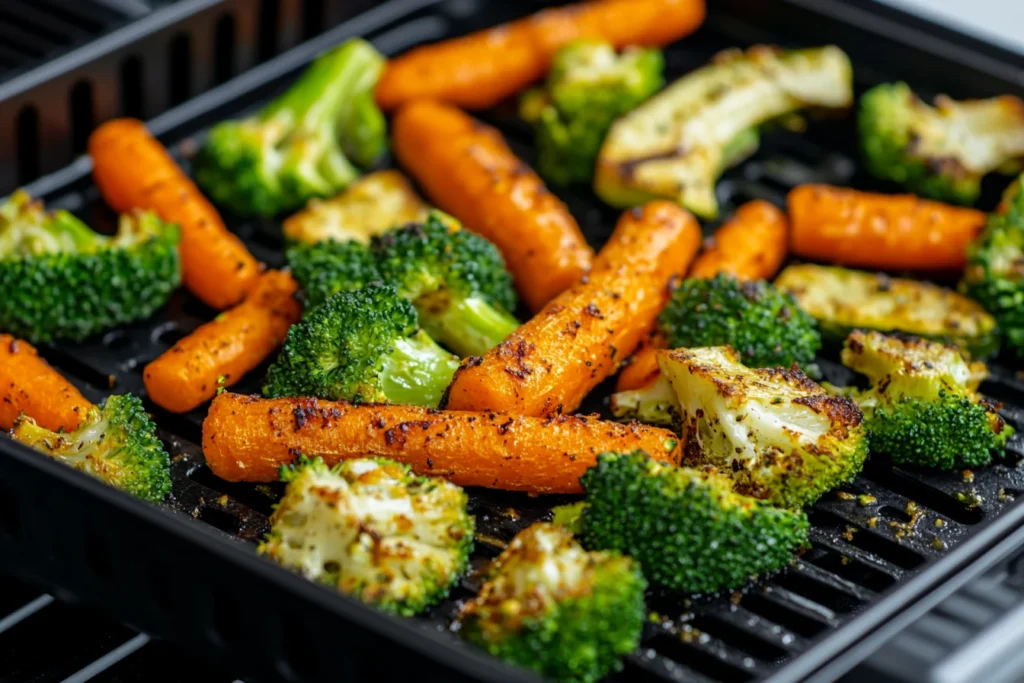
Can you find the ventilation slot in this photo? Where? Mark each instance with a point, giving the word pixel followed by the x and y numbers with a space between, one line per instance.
pixel 82 116
pixel 224 49
pixel 312 18
pixel 132 88
pixel 269 12
pixel 180 69
pixel 28 144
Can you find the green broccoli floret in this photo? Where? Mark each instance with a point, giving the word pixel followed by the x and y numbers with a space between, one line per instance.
pixel 116 443
pixel 305 144
pixel 776 433
pixel 994 275
pixel 686 527
pixel 943 151
pixel 922 408
pixel 363 346
pixel 550 606
pixel 588 87
pixel 765 326
pixel 61 281
pixel 455 278
pixel 373 530
pixel 325 268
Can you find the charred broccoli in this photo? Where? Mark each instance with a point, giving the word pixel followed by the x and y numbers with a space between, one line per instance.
pixel 922 408
pixel 456 280
pixel 552 607
pixel 373 530
pixel 116 443
pixel 588 87
pixel 305 144
pixel 994 275
pixel 326 268
pixel 363 346
pixel 677 143
pixel 779 435
pixel 686 527
pixel 943 151
pixel 59 280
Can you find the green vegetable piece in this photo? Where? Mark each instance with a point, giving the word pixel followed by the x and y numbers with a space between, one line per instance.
pixel 325 268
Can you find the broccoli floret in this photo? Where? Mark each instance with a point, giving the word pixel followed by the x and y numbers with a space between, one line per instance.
pixel 922 408
pixel 994 275
pixel 373 530
pixel 305 144
pixel 942 151
pixel 686 527
pixel 456 279
pixel 326 268
pixel 116 443
pixel 588 87
pixel 550 606
pixel 61 281
pixel 363 346
pixel 779 435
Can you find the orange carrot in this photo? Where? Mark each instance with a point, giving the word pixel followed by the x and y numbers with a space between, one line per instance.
pixel 29 385
pixel 888 232
pixel 231 345
pixel 749 246
pixel 247 438
pixel 468 171
pixel 548 365
pixel 481 69
pixel 134 171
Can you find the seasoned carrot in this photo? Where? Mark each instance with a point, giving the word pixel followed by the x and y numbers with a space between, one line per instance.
pixel 749 246
pixel 548 365
pixel 247 438
pixel 888 232
pixel 481 69
pixel 229 346
pixel 29 385
pixel 134 171
pixel 468 171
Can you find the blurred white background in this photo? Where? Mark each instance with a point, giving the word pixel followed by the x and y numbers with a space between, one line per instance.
pixel 998 21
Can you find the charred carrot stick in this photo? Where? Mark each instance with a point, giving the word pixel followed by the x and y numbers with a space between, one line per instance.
pixel 481 69
pixel 751 245
pixel 888 232
pixel 548 365
pixel 229 346
pixel 468 171
pixel 29 385
pixel 134 171
pixel 247 438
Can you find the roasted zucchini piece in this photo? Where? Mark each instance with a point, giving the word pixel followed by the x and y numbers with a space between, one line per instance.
pixel 677 143
pixel 372 205
pixel 843 300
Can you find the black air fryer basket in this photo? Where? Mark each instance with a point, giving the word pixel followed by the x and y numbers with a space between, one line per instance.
pixel 187 569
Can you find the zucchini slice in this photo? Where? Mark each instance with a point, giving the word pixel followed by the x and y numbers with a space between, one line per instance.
pixel 843 300
pixel 677 143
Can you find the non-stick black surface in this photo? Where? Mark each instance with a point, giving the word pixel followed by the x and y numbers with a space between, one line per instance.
pixel 862 544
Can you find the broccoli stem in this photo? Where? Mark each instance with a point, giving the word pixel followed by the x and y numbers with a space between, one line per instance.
pixel 417 371
pixel 469 326
pixel 655 403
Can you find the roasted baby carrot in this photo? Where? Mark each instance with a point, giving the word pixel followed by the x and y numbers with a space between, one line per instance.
pixel 468 171
pixel 231 345
pixel 888 232
pixel 751 245
pixel 247 438
pixel 134 171
pixel 481 69
pixel 29 385
pixel 548 365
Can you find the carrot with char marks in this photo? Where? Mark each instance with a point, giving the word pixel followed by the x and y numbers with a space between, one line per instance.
pixel 29 385
pixel 229 346
pixel 548 365
pixel 134 171
pixel 247 438
pixel 889 232
pixel 479 70
pixel 467 170
pixel 751 245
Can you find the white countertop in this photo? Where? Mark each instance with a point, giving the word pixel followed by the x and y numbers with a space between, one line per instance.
pixel 998 21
